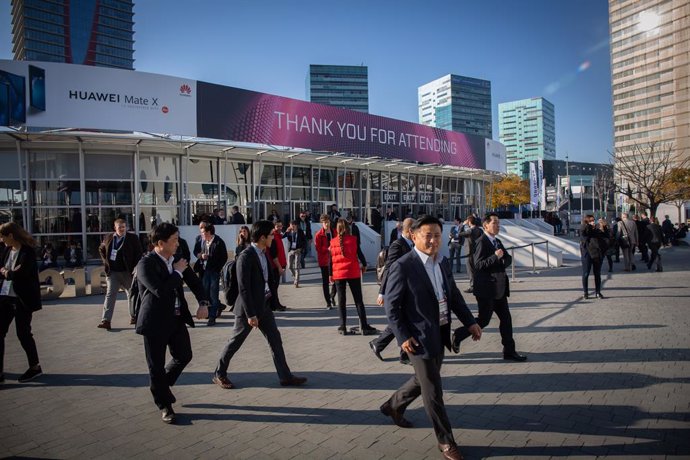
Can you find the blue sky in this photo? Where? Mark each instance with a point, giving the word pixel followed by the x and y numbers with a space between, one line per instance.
pixel 526 48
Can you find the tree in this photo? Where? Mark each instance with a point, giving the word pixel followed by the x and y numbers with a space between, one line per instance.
pixel 604 186
pixel 680 183
pixel 644 172
pixel 508 191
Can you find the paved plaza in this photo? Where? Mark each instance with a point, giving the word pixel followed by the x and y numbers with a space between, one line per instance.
pixel 604 378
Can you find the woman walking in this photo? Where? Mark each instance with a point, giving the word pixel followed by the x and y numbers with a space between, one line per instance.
pixel 610 240
pixel 346 257
pixel 242 240
pixel 20 294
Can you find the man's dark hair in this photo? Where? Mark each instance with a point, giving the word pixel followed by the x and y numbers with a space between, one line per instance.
pixel 261 228
pixel 208 226
pixel 472 219
pixel 236 208
pixel 294 222
pixel 162 232
pixel 487 218
pixel 425 220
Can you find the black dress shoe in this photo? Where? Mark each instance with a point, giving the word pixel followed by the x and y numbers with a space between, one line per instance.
pixel 368 330
pixel 514 356
pixel 342 330
pixel 168 415
pixel 387 410
pixel 455 342
pixel 585 296
pixel 293 381
pixel 450 452
pixel 377 353
pixel 599 296
pixel 404 359
pixel 469 290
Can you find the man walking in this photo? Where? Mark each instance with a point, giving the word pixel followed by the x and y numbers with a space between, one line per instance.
pixel 455 242
pixel 164 313
pixel 397 249
pixel 252 309
pixel 627 240
pixel 211 252
pixel 419 296
pixel 297 244
pixel 305 226
pixel 492 288
pixel 120 253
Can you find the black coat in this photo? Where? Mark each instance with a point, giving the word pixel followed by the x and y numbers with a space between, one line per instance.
pixel 131 251
pixel 472 235
pixel 490 279
pixel 25 278
pixel 217 254
pixel 158 290
pixel 251 300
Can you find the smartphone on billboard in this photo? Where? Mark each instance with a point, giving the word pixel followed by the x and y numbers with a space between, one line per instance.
pixel 37 88
pixel 4 104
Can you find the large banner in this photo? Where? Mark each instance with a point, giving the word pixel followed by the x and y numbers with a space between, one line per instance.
pixel 248 116
pixel 533 185
pixel 52 95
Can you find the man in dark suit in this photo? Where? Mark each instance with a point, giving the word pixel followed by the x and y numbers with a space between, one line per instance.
pixel 252 309
pixel 399 248
pixel 491 288
pixel 396 233
pixel 297 245
pixel 420 294
pixel 211 252
pixel 164 313
pixel 471 232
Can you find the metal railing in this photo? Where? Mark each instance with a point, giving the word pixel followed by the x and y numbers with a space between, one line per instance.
pixel 534 262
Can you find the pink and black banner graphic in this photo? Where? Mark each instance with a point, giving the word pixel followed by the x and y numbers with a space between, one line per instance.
pixel 246 116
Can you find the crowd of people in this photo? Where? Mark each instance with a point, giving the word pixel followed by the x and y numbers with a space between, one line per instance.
pixel 417 290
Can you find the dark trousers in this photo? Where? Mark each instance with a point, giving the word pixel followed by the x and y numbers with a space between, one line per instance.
pixel 426 381
pixel 356 289
pixel 211 283
pixel 268 327
pixel 11 308
pixel 455 250
pixel 487 307
pixel 655 257
pixel 162 375
pixel 609 259
pixel 470 270
pixel 273 284
pixel 591 264
pixel 382 341
pixel 328 290
pixel 642 247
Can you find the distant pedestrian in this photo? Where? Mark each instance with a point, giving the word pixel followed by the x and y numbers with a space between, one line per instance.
pixel 305 226
pixel 297 244
pixel 243 241
pixel 74 256
pixel 472 232
pixel 627 240
pixel 396 233
pixel 592 250
pixel 455 243
pixel 120 252
pixel 334 215
pixel 211 254
pixel 20 294
pixel 276 251
pixel 656 240
pixel 236 218
pixel 322 243
pixel 668 230
pixel 610 242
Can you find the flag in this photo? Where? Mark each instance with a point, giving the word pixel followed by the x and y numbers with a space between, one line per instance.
pixel 533 185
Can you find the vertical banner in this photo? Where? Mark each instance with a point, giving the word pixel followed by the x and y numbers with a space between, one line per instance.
pixel 542 184
pixel 558 193
pixel 533 185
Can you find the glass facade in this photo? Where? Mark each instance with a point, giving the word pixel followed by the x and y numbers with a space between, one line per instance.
pixel 341 86
pixel 69 191
pixel 527 128
pixel 457 103
pixel 88 32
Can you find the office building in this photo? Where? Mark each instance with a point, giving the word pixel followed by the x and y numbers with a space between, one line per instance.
pixel 456 103
pixel 88 32
pixel 527 128
pixel 344 86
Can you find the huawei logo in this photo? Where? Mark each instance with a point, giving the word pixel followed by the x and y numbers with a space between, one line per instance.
pixel 185 90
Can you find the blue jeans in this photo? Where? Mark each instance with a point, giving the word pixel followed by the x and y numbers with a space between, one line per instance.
pixel 211 282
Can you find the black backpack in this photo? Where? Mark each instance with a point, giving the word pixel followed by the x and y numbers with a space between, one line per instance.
pixel 231 287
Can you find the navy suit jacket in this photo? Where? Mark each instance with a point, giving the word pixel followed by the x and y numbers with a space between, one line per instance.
pixel 395 251
pixel 490 279
pixel 412 307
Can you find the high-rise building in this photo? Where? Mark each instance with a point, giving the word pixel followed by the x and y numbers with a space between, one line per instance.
pixel 650 43
pixel 344 86
pixel 89 32
pixel 527 128
pixel 456 103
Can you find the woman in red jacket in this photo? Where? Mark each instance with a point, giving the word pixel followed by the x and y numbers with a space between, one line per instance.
pixel 346 257
pixel 322 242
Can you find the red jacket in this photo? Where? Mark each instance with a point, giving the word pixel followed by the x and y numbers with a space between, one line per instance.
pixel 321 243
pixel 345 266
pixel 278 250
